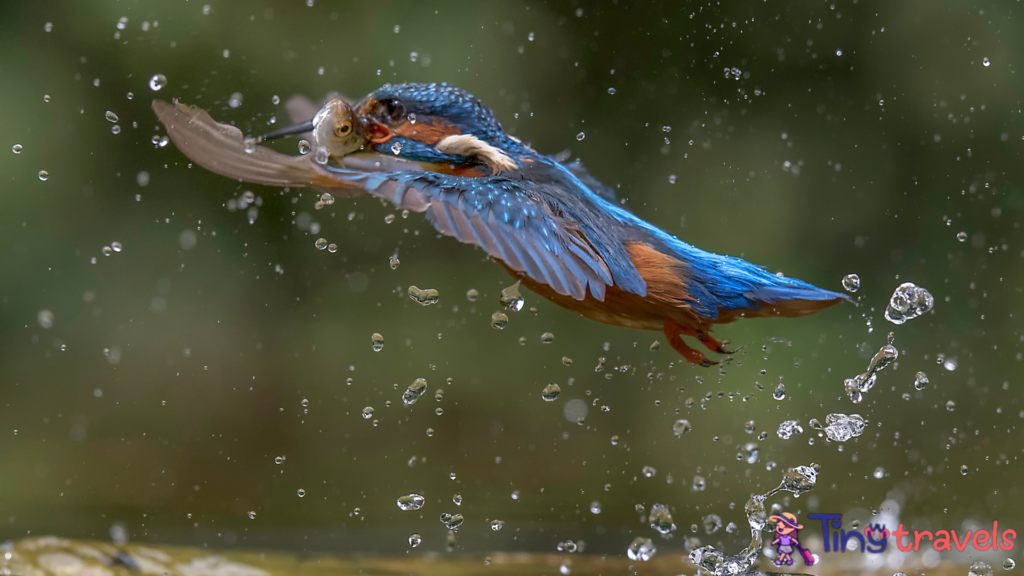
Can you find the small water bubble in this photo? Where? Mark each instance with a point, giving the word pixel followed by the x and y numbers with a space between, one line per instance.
pixel 393 262
pixel 110 116
pixel 414 391
pixel 457 499
pixel 438 410
pixel 157 82
pixel 499 321
pixel 396 148
pixel 1009 564
pixel 788 428
pixel 567 546
pixel 249 144
pixel 641 549
pixel 279 460
pixel 252 514
pixel 530 36
pixel 304 146
pixel 566 361
pixel 879 473
pixel 986 62
pixel 547 338
pixel 550 392
pixel 415 540
pixel 681 427
pixel 851 282
pixel 961 236
pixel 839 51
pixel 611 90
pixel 235 100
pixel 950 406
pixel 661 519
pixel 44 175
pixel 130 95
pixel 377 341
pixel 116 246
pixel 842 427
pixel 648 471
pixel 321 243
pixel 17 148
pixel 411 502
pixel 301 493
pixel 920 380
pixel 423 297
pixel 712 523
pixel 749 427
pixel 980 569
pixel 367 413
pixel 581 136
pixel 780 392
pixel 321 155
pixel 107 250
pixel 595 507
pixel 497 525
pixel 907 302
pixel 511 298
pixel 750 452
pixel 48 27
pixel 452 521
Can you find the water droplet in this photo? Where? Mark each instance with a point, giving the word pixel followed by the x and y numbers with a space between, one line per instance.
pixel 423 297
pixel 249 144
pixel 235 100
pixel 389 218
pixel 920 380
pixel 641 549
pixel 378 342
pixel 1009 564
pixel 415 540
pixel 712 523
pixel 396 148
pixel 595 507
pixel 749 427
pixel 279 460
pixel 472 294
pixel 411 502
pixel 457 499
pixel 611 90
pixel 851 282
pixel 17 148
pixel 252 514
pixel 672 179
pixel 430 432
pixel 157 82
pixel 438 410
pixel 879 473
pixel 547 338
pixel 950 406
pixel 839 51
pixel 116 246
pixel 986 62
pixel 661 519
pixel 511 298
pixel 980 569
pixel 497 525
pixel 304 147
pixel 750 452
pixel 840 427
pixel 567 546
pixel 107 250
pixel 908 301
pixel 565 568
pixel 530 36
pixel 581 136
pixel 788 428
pixel 648 471
pixel 498 320
pixel 414 391
pixel 48 27
pixel 321 155
pixel 367 412
pixel 681 427
pixel 44 175
pixel 327 199
pixel 961 236
pixel 321 243
pixel 301 493
pixel 110 116
pixel 393 262
pixel 780 392
pixel 452 521
pixel 550 392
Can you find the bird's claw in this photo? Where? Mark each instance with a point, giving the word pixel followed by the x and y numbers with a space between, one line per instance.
pixel 708 363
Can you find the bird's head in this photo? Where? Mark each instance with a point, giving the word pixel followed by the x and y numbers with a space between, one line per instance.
pixel 437 125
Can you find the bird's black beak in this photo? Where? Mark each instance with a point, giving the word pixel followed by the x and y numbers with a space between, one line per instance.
pixel 296 129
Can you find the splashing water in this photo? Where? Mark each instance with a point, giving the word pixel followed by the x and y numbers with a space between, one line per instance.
pixel 788 428
pixel 511 298
pixel 856 386
pixel 414 391
pixel 795 480
pixel 641 549
pixel 661 519
pixel 840 427
pixel 423 297
pixel 851 282
pixel 411 502
pixel 551 392
pixel 920 380
pixel 908 301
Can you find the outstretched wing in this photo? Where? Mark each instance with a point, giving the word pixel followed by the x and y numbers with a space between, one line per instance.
pixel 507 218
pixel 220 148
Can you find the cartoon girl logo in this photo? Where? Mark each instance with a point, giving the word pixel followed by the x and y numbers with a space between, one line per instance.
pixel 787 530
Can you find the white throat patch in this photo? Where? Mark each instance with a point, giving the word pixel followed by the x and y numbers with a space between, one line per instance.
pixel 469 145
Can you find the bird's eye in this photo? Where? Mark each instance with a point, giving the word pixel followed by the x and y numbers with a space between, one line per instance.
pixel 344 129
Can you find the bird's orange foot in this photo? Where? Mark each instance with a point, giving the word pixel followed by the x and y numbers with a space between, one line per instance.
pixel 674 333
pixel 715 345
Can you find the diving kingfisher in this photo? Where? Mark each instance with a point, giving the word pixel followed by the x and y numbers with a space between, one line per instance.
pixel 438 150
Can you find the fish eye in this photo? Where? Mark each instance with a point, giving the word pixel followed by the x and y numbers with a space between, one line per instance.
pixel 344 129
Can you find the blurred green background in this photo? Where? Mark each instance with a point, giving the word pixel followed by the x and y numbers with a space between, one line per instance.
pixel 859 137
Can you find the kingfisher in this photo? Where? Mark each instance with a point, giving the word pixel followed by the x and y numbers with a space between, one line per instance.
pixel 436 149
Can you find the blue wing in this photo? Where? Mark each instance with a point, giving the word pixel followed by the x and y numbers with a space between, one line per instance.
pixel 506 218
